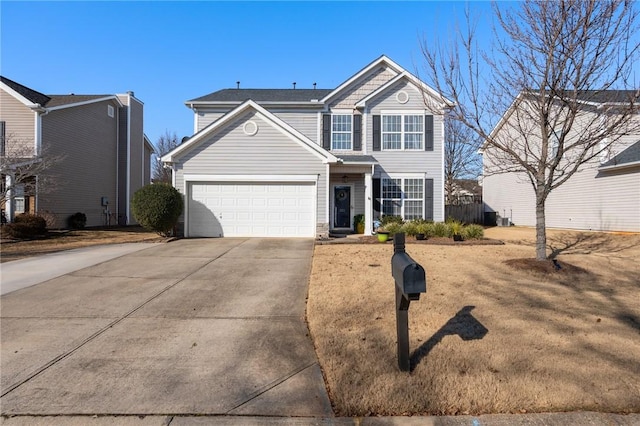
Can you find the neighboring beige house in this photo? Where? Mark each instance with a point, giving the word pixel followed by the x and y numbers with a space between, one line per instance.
pixel 604 195
pixel 304 162
pixel 102 154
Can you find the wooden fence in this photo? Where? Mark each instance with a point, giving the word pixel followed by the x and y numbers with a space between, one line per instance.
pixel 467 213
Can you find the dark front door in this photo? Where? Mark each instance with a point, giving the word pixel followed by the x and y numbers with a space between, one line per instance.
pixel 342 207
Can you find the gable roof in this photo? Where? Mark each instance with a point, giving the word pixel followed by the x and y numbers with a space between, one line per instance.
pixel 404 75
pixel 628 157
pixel 261 95
pixel 59 100
pixel 28 94
pixel 203 134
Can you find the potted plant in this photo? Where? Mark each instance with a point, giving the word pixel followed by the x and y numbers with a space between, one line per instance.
pixel 383 234
pixel 456 230
pixel 358 223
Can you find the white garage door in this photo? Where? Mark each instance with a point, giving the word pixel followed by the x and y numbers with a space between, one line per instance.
pixel 251 209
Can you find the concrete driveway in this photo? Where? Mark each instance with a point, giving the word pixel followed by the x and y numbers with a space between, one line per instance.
pixel 193 327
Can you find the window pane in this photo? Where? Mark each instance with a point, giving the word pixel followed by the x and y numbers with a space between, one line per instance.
pixel 391 123
pixel 391 188
pixel 413 141
pixel 341 131
pixel 391 141
pixel 391 208
pixel 413 123
pixel 413 188
pixel 412 210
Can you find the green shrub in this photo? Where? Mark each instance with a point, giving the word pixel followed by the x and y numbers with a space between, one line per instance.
pixel 391 219
pixel 473 232
pixel 410 228
pixel 77 220
pixel 393 228
pixel 26 226
pixel 427 228
pixel 440 229
pixel 157 207
pixel 455 227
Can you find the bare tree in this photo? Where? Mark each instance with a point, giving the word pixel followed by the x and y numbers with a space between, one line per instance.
pixel 461 158
pixel 569 62
pixel 25 172
pixel 165 143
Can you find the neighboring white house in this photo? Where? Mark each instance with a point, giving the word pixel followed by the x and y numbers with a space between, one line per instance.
pixel 604 195
pixel 304 162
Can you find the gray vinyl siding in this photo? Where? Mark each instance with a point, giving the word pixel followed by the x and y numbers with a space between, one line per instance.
pixel 361 88
pixel 136 150
pixel 85 138
pixel 207 117
pixel 589 200
pixel 231 152
pixel 19 124
pixel 123 165
pixel 147 165
pixel 429 164
pixel 304 121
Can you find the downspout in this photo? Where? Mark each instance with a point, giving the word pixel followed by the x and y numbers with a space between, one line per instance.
pixel 40 112
pixel 117 168
pixel 128 157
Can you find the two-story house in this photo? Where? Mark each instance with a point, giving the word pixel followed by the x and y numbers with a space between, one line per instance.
pixel 304 162
pixel 603 195
pixel 94 148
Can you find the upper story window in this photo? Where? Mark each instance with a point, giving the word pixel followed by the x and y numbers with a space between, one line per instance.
pixel 341 132
pixel 110 111
pixel 402 132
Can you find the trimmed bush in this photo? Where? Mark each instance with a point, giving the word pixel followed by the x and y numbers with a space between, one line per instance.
pixel 410 228
pixel 391 219
pixel 393 228
pixel 440 229
pixel 26 226
pixel 473 232
pixel 157 207
pixel 77 220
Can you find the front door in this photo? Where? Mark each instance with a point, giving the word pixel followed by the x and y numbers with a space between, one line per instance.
pixel 342 207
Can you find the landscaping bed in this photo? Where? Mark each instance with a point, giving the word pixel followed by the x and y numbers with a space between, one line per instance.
pixel 488 336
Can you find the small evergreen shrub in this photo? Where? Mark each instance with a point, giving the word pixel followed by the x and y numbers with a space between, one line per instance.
pixel 473 232
pixel 440 229
pixel 393 228
pixel 410 228
pixel 455 227
pixel 77 221
pixel 157 207
pixel 26 226
pixel 427 228
pixel 391 219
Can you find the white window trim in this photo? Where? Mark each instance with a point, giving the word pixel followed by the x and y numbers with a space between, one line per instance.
pixel 402 200
pixel 403 115
pixel 342 113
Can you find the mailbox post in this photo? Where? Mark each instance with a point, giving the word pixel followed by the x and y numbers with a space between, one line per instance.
pixel 410 282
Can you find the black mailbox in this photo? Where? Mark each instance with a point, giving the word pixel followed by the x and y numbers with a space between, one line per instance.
pixel 409 275
pixel 410 282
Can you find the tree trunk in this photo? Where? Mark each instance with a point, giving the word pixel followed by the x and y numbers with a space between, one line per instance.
pixel 541 229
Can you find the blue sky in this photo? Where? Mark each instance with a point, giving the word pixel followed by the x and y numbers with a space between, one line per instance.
pixel 169 52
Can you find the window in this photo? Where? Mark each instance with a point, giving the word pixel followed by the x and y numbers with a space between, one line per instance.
pixel 402 132
pixel 110 111
pixel 341 125
pixel 403 197
pixel 555 143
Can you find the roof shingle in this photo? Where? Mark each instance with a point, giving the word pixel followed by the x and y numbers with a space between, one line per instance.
pixel 263 95
pixel 30 94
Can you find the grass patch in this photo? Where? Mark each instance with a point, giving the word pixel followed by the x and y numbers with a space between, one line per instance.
pixel 486 337
pixel 53 241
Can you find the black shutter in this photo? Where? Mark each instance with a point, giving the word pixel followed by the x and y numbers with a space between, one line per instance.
pixel 376 132
pixel 2 134
pixel 428 199
pixel 377 207
pixel 357 132
pixel 326 131
pixel 428 132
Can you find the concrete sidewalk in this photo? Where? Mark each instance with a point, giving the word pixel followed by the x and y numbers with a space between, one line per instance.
pixel 24 273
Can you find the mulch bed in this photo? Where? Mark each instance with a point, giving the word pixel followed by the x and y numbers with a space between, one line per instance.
pixel 373 239
pixel 548 266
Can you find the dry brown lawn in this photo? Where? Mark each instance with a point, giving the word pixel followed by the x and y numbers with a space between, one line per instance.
pixel 486 337
pixel 67 240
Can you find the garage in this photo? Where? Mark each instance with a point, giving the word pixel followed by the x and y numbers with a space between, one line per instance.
pixel 251 209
